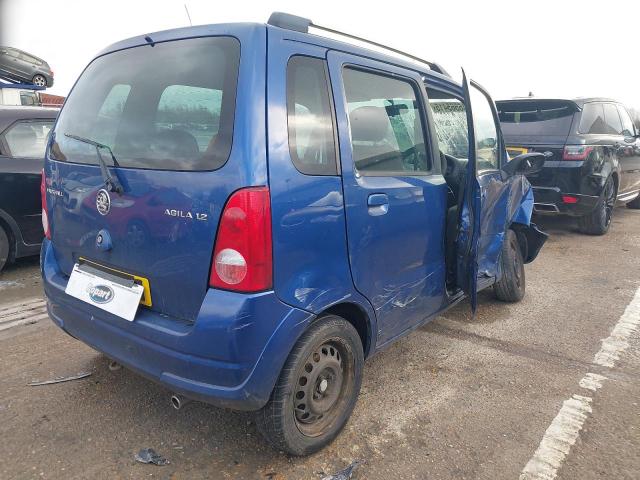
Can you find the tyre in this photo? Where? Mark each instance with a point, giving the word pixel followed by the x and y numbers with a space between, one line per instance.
pixel 598 221
pixel 317 388
pixel 4 248
pixel 39 81
pixel 511 286
pixel 635 203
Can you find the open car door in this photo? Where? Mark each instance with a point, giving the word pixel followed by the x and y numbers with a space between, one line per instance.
pixel 469 214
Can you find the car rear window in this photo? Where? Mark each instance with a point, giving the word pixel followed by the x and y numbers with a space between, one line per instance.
pixel 28 138
pixel 168 107
pixel 544 117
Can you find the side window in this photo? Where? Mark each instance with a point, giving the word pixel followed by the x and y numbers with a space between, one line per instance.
pixel 612 119
pixel 385 124
pixel 592 120
pixel 485 130
pixel 190 115
pixel 628 129
pixel 309 117
pixel 450 118
pixel 29 59
pixel 28 138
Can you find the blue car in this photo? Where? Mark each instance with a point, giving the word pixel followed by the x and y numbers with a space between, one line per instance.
pixel 245 212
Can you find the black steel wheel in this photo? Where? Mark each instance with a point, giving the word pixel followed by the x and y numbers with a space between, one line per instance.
pixel 317 389
pixel 598 221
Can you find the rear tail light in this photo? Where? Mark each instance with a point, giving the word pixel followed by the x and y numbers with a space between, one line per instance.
pixel 242 258
pixel 577 152
pixel 569 199
pixel 43 201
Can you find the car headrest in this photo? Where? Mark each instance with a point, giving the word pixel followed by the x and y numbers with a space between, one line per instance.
pixel 369 124
pixel 177 142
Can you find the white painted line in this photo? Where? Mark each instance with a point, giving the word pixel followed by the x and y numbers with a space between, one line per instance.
pixel 23 321
pixel 564 430
pixel 615 344
pixel 24 314
pixel 592 381
pixel 558 439
pixel 18 306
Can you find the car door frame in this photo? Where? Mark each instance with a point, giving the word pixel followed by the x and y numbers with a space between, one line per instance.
pixel 495 216
pixel 338 61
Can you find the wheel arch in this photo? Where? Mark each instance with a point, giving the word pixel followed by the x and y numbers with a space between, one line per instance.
pixel 530 240
pixel 615 176
pixel 356 316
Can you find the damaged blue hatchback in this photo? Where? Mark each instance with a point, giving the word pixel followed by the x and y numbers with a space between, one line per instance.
pixel 244 213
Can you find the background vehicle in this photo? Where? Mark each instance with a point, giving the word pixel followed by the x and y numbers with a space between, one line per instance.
pixel 23 138
pixel 22 66
pixel 595 157
pixel 308 202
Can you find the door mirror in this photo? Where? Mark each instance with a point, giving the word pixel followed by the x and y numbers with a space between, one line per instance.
pixel 525 164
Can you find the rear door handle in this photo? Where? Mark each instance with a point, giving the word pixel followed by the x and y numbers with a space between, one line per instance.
pixel 378 204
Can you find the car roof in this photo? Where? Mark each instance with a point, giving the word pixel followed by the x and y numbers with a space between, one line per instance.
pixel 233 29
pixel 9 114
pixel 579 101
pixel 22 51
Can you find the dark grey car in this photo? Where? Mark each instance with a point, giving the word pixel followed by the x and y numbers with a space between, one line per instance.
pixel 23 138
pixel 22 66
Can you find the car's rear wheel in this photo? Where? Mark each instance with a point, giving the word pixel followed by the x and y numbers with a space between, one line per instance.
pixel 317 389
pixel 39 81
pixel 635 203
pixel 4 248
pixel 598 221
pixel 511 286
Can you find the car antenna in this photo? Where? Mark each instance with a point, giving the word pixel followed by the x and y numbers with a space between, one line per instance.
pixel 188 16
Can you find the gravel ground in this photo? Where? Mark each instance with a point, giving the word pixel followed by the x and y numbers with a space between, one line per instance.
pixel 459 398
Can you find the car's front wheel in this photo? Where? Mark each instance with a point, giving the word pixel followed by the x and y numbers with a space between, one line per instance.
pixel 317 389
pixel 511 286
pixel 39 81
pixel 598 221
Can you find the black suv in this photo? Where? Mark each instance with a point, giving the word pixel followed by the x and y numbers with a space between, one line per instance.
pixel 593 153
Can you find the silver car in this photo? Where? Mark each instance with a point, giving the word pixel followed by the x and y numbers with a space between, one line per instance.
pixel 22 66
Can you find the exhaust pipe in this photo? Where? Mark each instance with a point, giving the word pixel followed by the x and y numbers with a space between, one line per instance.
pixel 178 401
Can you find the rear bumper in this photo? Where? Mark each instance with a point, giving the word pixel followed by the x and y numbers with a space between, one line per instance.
pixel 549 200
pixel 230 357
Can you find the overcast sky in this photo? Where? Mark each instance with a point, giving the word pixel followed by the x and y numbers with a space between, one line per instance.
pixel 552 48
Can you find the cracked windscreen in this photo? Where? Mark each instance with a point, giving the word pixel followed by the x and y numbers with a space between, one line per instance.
pixel 450 119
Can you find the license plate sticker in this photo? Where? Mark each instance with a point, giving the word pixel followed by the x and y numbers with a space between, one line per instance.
pixel 120 298
pixel 515 151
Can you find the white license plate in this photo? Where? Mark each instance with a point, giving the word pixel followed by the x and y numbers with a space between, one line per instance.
pixel 119 297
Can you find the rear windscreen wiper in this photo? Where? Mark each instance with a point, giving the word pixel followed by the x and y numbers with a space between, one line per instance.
pixel 111 181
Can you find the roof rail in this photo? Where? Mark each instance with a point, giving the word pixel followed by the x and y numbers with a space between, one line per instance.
pixel 301 24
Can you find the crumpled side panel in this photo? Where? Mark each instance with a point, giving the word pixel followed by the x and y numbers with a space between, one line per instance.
pixel 503 203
